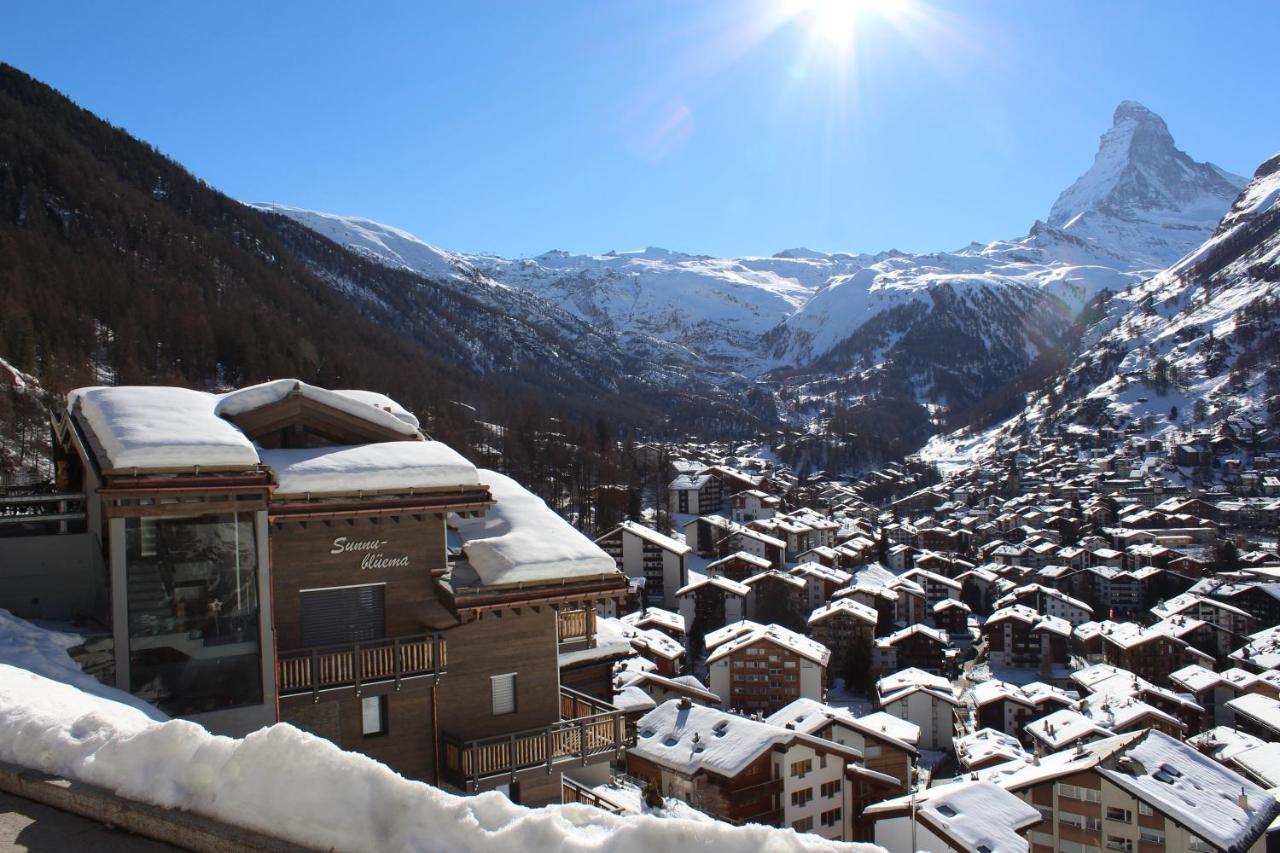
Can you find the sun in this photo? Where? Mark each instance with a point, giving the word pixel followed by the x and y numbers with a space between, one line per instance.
pixel 834 24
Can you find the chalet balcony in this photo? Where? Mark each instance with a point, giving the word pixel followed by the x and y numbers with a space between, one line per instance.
pixel 357 664
pixel 577 626
pixel 589 730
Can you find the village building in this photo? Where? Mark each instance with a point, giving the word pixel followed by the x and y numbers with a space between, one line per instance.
pixel 1138 791
pixel 964 817
pixel 753 505
pixel 916 646
pixel 847 628
pixel 884 749
pixel 710 603
pixel 747 771
pixel 924 699
pixel 756 667
pixel 645 554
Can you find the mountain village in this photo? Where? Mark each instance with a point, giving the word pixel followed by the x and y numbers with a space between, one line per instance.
pixel 972 550
pixel 1063 649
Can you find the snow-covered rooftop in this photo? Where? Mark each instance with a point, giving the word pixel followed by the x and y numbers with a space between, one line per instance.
pixel 980 816
pixel 521 540
pixel 385 466
pixel 161 427
pixel 1215 803
pixel 693 737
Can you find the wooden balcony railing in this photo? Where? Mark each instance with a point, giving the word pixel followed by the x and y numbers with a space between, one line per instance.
pixel 27 514
pixel 356 664
pixel 577 625
pixel 575 792
pixel 601 732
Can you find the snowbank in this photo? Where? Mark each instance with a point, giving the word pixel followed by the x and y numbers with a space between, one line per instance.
pixel 44 652
pixel 291 784
pixel 522 540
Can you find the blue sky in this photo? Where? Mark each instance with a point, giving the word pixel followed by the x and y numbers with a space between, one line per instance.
pixel 717 126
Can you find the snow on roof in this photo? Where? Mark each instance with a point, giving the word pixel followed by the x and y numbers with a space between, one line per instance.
pixel 632 699
pixel 894 727
pixel 911 677
pixel 381 401
pixel 1064 727
pixel 686 684
pixel 1121 712
pixel 522 540
pixel 836 576
pixel 1221 743
pixel 694 737
pixel 935 634
pixel 774 574
pixel 980 816
pixel 1195 677
pixel 1195 790
pixel 1255 706
pixel 776 634
pixel 1261 762
pixel 985 744
pixel 349 802
pixel 385 466
pixel 985 692
pixel 367 405
pixel 657 616
pixel 652 536
pixel 161 427
pixel 741 556
pixel 729 632
pixel 855 609
pixel 726 584
pixel 809 715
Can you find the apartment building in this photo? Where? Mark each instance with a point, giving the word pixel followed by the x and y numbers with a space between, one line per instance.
pixel 645 554
pixel 756 667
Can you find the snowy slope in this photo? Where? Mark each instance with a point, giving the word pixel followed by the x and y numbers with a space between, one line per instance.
pixel 1183 350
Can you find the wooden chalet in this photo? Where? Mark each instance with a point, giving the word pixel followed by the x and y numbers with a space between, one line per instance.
pixel 286 552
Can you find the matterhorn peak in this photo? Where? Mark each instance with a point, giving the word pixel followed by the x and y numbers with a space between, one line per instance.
pixel 1143 192
pixel 1134 111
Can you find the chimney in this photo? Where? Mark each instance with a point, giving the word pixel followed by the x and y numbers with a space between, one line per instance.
pixel 685 703
pixel 1243 801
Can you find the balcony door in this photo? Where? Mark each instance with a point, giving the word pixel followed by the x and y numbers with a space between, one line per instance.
pixel 343 615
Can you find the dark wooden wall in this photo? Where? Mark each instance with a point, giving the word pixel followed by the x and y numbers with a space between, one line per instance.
pixel 300 559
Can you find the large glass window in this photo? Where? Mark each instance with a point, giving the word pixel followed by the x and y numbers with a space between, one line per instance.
pixel 193 612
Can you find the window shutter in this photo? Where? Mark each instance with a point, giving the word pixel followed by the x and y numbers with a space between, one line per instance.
pixel 504 693
pixel 343 615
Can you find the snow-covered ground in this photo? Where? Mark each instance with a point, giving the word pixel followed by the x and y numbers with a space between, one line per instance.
pixel 291 784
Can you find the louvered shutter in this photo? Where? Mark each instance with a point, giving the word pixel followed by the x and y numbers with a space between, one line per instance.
pixel 504 693
pixel 343 615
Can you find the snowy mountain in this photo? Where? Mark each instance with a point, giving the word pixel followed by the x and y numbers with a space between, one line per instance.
pixel 1142 194
pixel 1192 347
pixel 1140 206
